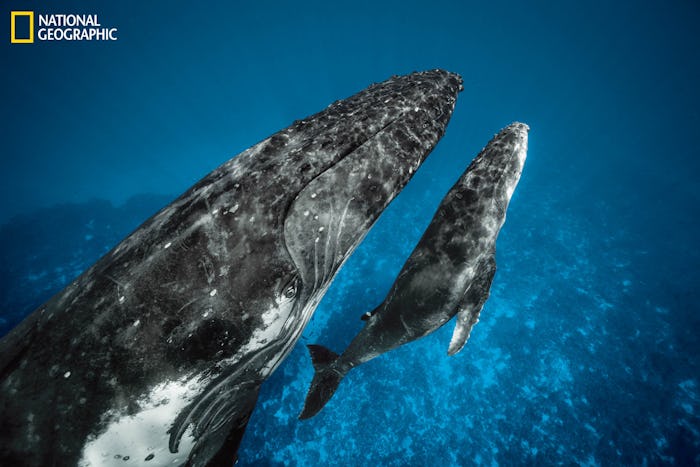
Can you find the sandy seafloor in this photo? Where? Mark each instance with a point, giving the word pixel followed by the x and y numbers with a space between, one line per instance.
pixel 586 352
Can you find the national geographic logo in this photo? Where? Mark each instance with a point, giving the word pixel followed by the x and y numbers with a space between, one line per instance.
pixel 58 27
pixel 27 38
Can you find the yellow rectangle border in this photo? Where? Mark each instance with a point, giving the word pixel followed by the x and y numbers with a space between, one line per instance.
pixel 13 16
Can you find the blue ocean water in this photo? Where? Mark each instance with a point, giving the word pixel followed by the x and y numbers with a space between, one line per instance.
pixel 587 351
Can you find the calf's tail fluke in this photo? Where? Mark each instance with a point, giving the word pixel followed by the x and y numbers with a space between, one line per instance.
pixel 325 382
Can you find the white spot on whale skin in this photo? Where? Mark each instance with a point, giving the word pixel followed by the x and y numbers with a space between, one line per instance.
pixel 233 209
pixel 66 374
pixel 306 213
pixel 212 293
pixel 313 195
pixel 137 322
pixel 167 245
pixel 121 299
pixel 146 432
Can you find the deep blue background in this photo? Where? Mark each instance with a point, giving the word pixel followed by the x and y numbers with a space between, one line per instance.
pixel 587 350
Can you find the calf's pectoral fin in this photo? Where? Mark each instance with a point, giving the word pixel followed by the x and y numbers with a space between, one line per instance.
pixel 471 304
pixel 466 319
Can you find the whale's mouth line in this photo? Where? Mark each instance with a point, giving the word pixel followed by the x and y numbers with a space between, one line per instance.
pixel 326 268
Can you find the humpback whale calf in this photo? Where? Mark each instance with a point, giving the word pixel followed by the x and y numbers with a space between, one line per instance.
pixel 156 353
pixel 449 272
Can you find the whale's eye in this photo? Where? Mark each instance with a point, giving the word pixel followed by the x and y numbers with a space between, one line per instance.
pixel 290 290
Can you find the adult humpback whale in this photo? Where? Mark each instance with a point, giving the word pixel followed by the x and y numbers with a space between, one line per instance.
pixel 156 353
pixel 449 272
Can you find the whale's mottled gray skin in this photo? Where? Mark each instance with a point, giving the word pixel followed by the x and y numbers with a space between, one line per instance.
pixel 158 350
pixel 449 272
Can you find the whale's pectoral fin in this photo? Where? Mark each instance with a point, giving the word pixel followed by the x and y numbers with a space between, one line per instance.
pixel 227 454
pixel 216 420
pixel 324 383
pixel 471 304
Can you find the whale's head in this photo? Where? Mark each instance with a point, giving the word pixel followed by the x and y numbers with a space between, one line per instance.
pixel 500 164
pixel 385 132
pixel 241 260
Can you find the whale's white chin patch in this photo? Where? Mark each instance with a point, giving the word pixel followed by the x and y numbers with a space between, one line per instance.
pixel 144 436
